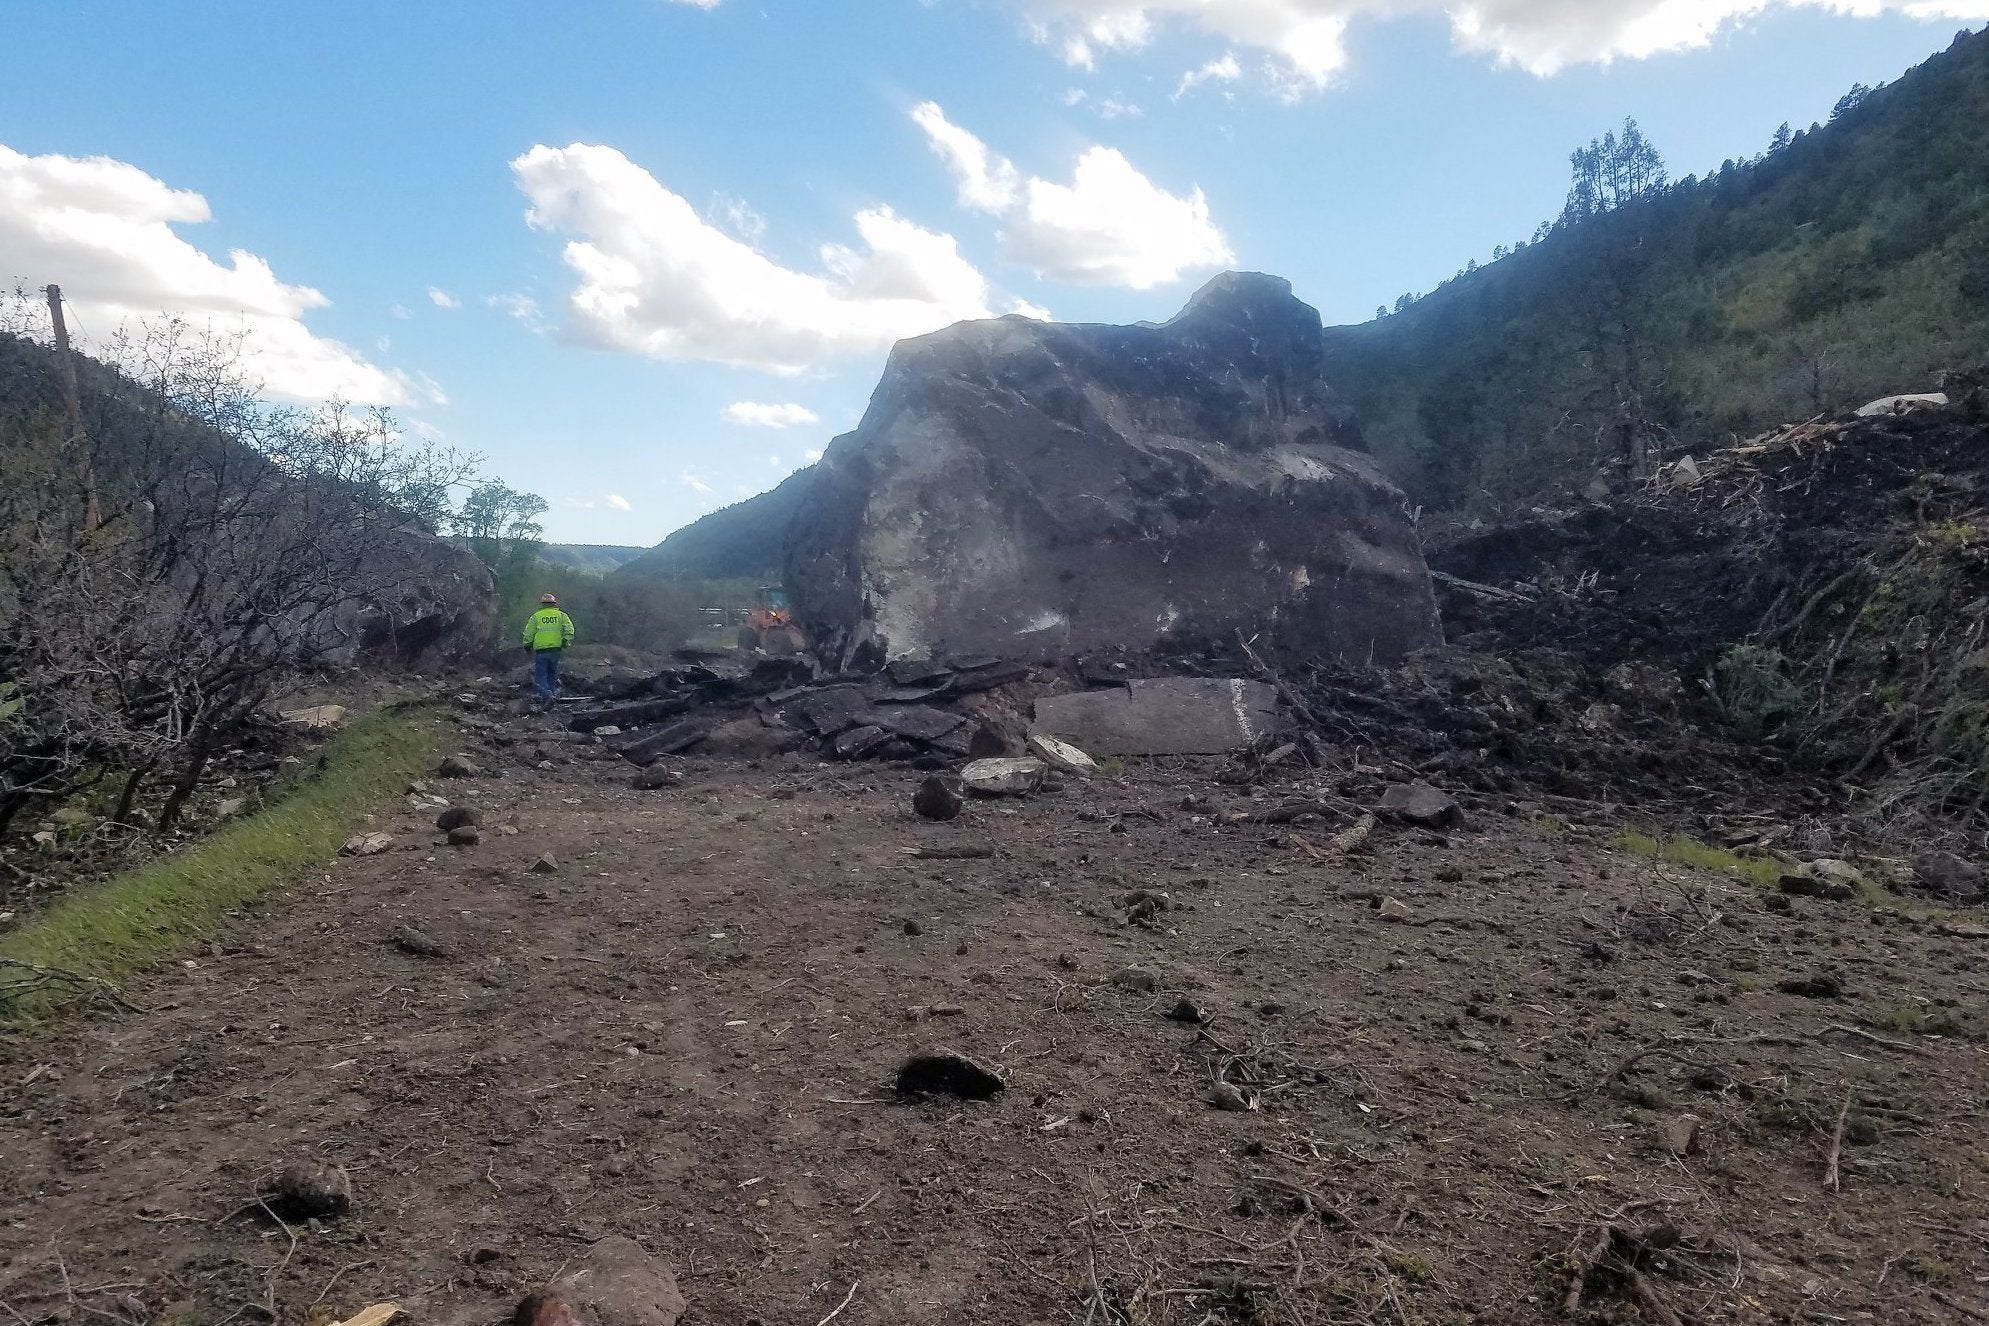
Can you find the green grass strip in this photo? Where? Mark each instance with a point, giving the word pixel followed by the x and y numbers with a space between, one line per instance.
pixel 1764 871
pixel 111 930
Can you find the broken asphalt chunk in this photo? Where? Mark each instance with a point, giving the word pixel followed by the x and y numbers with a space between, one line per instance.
pixel 1161 716
pixel 1004 777
pixel 939 798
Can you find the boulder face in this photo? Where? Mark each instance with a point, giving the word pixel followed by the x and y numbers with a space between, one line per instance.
pixel 1032 489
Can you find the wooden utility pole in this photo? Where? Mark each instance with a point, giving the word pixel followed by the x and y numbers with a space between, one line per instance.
pixel 72 397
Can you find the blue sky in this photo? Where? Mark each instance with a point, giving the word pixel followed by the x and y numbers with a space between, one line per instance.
pixel 1090 159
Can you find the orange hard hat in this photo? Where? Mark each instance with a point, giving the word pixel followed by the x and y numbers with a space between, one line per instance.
pixel 549 598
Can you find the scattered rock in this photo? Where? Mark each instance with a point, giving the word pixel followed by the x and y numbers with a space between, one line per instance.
pixel 657 777
pixel 1186 1010
pixel 230 808
pixel 465 835
pixel 309 1190
pixel 947 1072
pixel 1226 1097
pixel 1838 872
pixel 455 817
pixel 607 730
pixel 1420 804
pixel 1964 930
pixel 545 865
pixel 1823 985
pixel 366 844
pixel 914 928
pixel 939 798
pixel 1394 909
pixel 410 940
pixel 457 766
pixel 858 742
pixel 618 1285
pixel 948 1011
pixel 1143 979
pixel 1004 777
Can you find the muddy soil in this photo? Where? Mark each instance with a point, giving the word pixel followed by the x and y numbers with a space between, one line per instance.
pixel 1507 1074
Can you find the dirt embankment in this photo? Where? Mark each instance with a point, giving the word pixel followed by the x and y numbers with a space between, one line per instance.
pixel 1496 1073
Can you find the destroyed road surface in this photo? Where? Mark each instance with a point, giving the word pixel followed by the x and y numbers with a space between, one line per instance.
pixel 1248 1072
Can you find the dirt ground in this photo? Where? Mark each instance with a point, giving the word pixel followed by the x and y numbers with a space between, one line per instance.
pixel 1557 1057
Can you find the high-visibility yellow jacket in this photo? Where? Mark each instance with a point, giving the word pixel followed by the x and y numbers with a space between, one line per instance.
pixel 548 628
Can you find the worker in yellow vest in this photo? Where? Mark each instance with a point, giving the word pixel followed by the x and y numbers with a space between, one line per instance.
pixel 547 632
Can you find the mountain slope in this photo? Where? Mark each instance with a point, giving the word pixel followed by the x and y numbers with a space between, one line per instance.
pixel 1849 262
pixel 744 541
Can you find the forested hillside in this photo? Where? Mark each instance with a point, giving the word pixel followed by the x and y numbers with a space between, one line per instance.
pixel 1848 261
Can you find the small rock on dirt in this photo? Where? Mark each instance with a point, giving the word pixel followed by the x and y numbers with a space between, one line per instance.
pixel 1681 1135
pixel 1823 985
pixel 1420 804
pixel 949 1073
pixel 1004 777
pixel 1143 979
pixel 1062 756
pixel 410 940
pixel 309 1190
pixel 656 777
pixel 455 817
pixel 1394 909
pixel 1226 1097
pixel 545 865
pixel 457 766
pixel 914 928
pixel 1187 1010
pixel 618 1285
pixel 366 844
pixel 938 798
pixel 1812 886
pixel 465 835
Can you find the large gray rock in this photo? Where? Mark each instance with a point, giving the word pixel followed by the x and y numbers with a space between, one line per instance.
pixel 1024 488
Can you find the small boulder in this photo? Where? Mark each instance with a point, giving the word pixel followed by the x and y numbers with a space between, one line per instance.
pixel 308 1190
pixel 1062 756
pixel 1420 804
pixel 1949 876
pixel 1144 980
pixel 1823 985
pixel 1226 1097
pixel 1394 909
pixel 938 798
pixel 366 844
pixel 410 940
pixel 1812 886
pixel 949 1073
pixel 1186 1010
pixel 456 817
pixel 1681 1135
pixel 657 777
pixel 545 865
pixel 1004 777
pixel 465 835
pixel 457 766
pixel 617 1285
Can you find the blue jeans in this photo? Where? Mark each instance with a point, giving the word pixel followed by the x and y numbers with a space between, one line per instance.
pixel 545 674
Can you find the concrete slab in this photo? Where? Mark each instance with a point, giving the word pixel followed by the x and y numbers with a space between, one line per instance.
pixel 1162 716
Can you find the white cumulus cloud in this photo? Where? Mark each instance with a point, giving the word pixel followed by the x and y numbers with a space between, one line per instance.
pixel 755 414
pixel 1225 68
pixel 1305 39
pixel 442 298
pixel 657 279
pixel 105 231
pixel 618 502
pixel 1110 225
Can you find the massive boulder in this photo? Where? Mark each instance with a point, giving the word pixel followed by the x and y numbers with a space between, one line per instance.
pixel 1026 488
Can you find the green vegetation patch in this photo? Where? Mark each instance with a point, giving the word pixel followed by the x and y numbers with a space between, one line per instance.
pixel 110 931
pixel 1762 870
